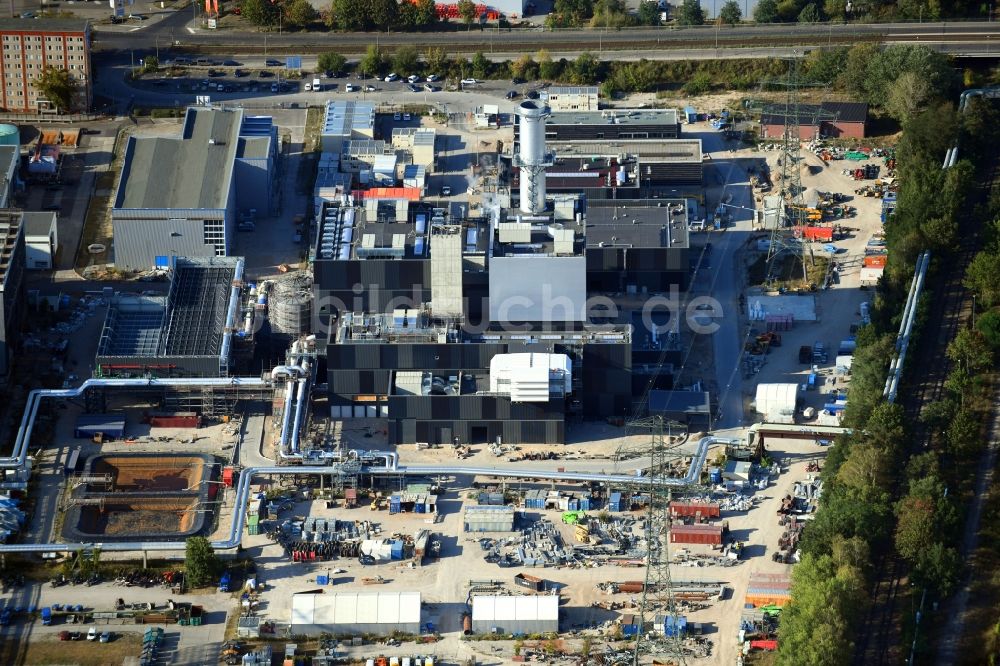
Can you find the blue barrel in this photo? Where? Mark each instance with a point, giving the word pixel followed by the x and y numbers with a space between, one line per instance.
pixel 715 475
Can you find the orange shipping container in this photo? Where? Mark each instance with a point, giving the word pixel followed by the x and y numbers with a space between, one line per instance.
pixel 776 599
pixel 875 261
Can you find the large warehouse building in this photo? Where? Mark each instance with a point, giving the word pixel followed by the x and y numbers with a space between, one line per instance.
pixel 507 614
pixel 355 613
pixel 179 196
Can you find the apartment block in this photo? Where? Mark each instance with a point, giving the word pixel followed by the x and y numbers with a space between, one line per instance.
pixel 31 46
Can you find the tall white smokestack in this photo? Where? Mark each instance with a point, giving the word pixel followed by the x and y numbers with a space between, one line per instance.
pixel 532 158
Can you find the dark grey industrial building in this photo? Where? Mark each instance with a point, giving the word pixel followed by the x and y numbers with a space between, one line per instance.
pixel 637 247
pixel 632 169
pixel 370 259
pixel 433 382
pixel 12 258
pixel 187 333
pixel 612 125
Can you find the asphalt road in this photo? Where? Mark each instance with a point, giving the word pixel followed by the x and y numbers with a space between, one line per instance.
pixel 173 27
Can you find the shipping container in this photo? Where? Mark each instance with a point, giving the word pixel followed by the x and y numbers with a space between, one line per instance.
pixel 875 261
pixel 696 534
pixel 775 599
pixel 695 509
pixel 174 420
pixel 530 582
pixel 350 498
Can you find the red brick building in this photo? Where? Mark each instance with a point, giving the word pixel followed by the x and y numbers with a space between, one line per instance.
pixel 32 45
pixel 830 119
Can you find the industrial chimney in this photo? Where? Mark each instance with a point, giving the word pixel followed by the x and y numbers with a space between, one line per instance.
pixel 532 158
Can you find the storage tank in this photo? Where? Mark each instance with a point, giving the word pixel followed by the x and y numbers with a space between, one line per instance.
pixel 10 135
pixel 291 305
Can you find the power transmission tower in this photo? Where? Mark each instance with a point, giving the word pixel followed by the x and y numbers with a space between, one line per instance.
pixel 658 603
pixel 793 213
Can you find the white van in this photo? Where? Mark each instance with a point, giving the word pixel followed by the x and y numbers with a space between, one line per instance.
pixel 317 85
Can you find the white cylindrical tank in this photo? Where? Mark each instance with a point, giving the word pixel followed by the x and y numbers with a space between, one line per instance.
pixel 621 177
pixel 531 156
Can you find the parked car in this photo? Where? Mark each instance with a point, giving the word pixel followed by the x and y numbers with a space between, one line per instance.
pixel 240 73
pixel 271 62
pixel 106 637
pixel 446 191
pixel 432 78
pixel 137 17
pixel 264 74
pixel 64 635
pixel 413 78
pixel 350 87
pixel 392 77
pixel 407 117
pixel 92 634
pixel 429 88
pixel 274 87
pixel 370 88
pixel 309 87
pixel 469 82
pixel 397 116
pixel 414 87
pixel 231 63
pixel 511 94
pixel 531 94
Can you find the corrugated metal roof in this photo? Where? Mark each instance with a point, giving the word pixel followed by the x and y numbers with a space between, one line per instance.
pixel 302 608
pixel 506 608
pixel 356 608
pixel 192 170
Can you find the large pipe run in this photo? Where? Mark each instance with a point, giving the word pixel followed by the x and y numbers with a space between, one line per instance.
pixel 390 468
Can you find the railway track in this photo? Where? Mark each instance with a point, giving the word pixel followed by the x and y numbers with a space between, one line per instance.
pixel 879 640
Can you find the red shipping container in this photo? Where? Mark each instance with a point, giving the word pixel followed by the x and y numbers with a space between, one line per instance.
pixel 875 261
pixel 174 420
pixel 227 476
pixel 764 644
pixel 692 509
pixel 696 534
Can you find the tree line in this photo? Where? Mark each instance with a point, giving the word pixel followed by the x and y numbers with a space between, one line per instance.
pixel 879 497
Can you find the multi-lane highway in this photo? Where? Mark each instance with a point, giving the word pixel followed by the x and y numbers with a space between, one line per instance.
pixel 965 38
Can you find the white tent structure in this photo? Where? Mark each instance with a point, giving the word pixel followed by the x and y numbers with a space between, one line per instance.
pixel 515 615
pixel 355 613
pixel 776 402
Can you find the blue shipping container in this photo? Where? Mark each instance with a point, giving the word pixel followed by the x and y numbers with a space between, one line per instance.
pixel 397 550
pixel 715 475
pixel 322 580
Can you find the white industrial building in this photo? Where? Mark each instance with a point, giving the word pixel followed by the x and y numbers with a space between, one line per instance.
pixel 346 120
pixel 355 613
pixel 41 240
pixel 777 402
pixel 570 98
pixel 507 614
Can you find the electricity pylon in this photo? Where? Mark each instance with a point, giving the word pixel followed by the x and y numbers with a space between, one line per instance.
pixel 657 595
pixel 793 213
